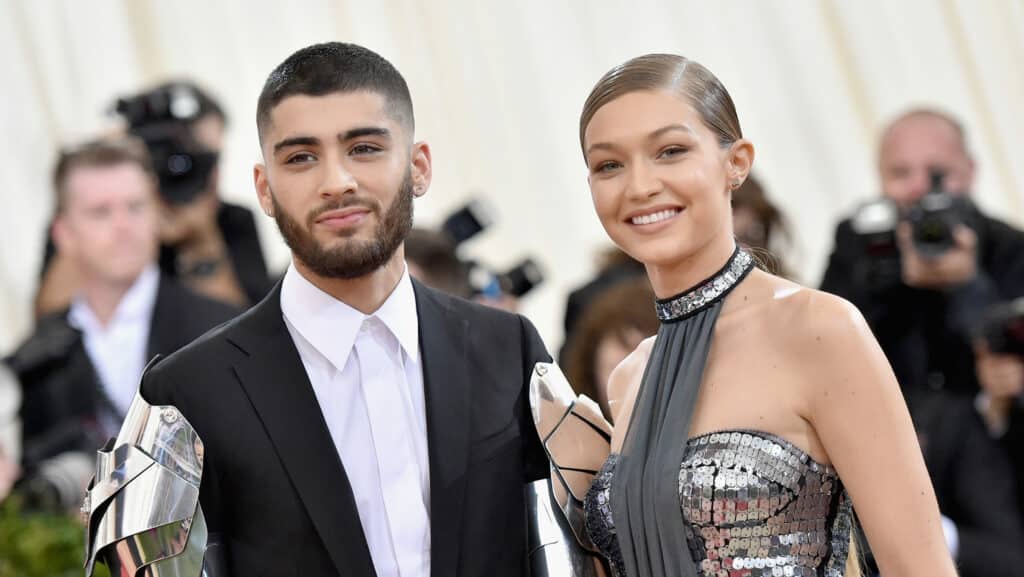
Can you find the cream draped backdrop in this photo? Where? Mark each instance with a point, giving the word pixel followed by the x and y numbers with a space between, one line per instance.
pixel 498 88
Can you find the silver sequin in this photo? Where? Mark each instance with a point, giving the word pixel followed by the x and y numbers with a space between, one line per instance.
pixel 754 506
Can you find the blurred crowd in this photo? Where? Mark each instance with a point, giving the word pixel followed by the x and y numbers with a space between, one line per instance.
pixel 143 256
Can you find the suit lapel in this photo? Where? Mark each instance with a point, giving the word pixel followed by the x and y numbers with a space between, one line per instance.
pixel 277 385
pixel 447 392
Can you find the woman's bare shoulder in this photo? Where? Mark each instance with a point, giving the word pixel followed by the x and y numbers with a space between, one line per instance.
pixel 625 378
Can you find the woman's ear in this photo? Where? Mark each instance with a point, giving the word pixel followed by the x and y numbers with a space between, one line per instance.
pixel 741 158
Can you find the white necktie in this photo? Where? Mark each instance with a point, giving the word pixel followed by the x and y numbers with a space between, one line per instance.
pixel 389 408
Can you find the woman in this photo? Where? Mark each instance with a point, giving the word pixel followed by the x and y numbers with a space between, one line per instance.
pixel 762 408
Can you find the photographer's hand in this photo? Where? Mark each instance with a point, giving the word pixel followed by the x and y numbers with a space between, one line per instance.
pixel 955 267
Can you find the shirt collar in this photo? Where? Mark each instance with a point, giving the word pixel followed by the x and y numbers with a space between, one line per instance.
pixel 331 325
pixel 136 304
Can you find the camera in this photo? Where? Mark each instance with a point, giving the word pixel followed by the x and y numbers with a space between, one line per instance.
pixel 875 223
pixel 934 217
pixel 1002 328
pixel 469 221
pixel 516 282
pixel 162 118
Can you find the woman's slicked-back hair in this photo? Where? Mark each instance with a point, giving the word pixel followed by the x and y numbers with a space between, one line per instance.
pixel 675 74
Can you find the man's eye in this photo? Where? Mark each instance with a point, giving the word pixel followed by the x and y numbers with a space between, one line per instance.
pixel 365 149
pixel 300 158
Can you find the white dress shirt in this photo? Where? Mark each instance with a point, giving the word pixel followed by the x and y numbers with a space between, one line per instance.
pixel 118 350
pixel 367 377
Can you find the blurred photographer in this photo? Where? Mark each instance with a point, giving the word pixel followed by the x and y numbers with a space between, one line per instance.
pixel 210 245
pixel 925 266
pixel 80 369
pixel 999 350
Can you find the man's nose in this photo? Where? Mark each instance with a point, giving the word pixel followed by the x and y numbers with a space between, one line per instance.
pixel 337 181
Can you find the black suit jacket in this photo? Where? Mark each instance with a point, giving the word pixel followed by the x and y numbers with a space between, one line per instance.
pixel 275 493
pixel 62 395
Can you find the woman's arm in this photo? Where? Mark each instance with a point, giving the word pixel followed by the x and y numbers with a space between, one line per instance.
pixel 858 413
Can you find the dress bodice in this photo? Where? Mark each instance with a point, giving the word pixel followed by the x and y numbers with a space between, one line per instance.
pixel 754 505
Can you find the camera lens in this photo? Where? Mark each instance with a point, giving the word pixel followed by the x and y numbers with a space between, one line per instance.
pixel 179 164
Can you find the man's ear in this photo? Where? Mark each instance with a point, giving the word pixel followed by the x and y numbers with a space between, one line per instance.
pixel 420 168
pixel 263 192
pixel 62 236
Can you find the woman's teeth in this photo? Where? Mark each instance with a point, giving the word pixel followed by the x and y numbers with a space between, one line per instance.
pixel 656 217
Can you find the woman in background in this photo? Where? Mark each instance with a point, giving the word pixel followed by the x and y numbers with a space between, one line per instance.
pixel 614 324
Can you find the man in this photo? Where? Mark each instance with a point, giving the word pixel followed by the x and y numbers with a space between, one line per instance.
pixel 923 316
pixel 209 245
pixel 81 367
pixel 356 422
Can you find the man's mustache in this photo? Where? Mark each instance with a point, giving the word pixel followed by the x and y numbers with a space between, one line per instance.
pixel 336 204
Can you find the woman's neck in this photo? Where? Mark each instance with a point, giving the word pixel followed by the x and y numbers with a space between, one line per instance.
pixel 671 279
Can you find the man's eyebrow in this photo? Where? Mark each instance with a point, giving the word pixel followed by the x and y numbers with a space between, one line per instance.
pixel 342 137
pixel 364 131
pixel 296 141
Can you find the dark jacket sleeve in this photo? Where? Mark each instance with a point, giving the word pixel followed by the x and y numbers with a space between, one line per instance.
pixel 534 351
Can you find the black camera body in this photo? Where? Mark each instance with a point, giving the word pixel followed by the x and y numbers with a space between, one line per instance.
pixel 933 221
pixel 934 218
pixel 466 223
pixel 162 118
pixel 1002 328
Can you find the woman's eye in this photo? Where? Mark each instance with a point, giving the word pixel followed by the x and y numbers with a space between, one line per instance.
pixel 607 166
pixel 672 151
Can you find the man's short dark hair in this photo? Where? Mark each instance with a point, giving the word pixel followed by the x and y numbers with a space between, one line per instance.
pixel 332 67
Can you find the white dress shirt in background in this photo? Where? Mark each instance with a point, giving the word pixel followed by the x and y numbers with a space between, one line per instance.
pixel 118 350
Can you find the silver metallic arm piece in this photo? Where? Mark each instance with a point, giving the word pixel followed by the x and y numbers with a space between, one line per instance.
pixel 577 439
pixel 142 511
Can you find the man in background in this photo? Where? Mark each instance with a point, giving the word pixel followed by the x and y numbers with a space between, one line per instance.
pixel 81 367
pixel 921 298
pixel 209 245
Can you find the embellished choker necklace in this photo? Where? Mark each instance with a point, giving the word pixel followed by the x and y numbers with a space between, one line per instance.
pixel 707 292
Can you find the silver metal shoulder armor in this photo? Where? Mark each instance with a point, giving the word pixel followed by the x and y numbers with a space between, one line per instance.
pixel 142 511
pixel 577 439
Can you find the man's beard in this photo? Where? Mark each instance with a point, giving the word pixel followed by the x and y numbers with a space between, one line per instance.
pixel 355 258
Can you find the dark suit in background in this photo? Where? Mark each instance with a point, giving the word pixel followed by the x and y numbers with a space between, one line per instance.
pixel 62 395
pixel 275 492
pixel 926 333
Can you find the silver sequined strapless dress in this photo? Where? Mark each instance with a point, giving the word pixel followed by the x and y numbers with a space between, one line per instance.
pixel 753 504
